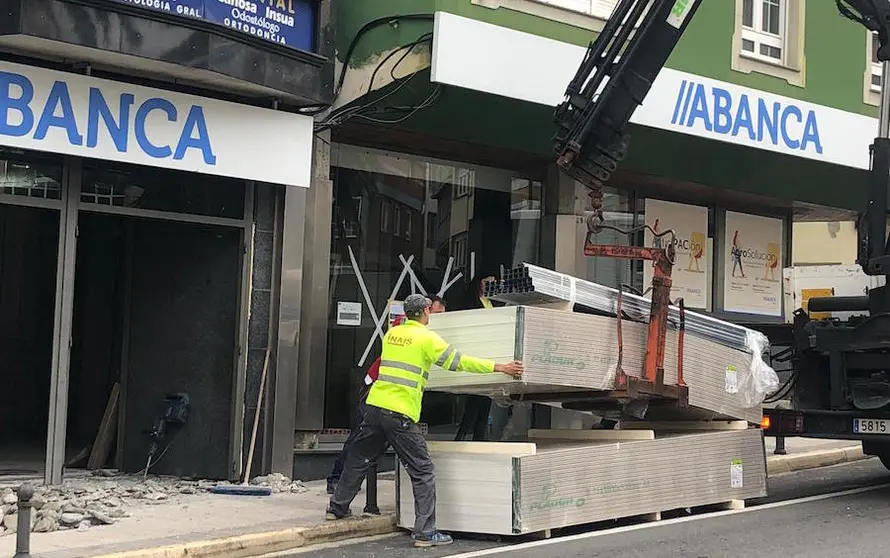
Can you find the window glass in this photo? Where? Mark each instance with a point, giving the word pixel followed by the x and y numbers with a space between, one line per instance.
pixel 163 190
pixel 771 16
pixel 27 176
pixel 748 13
pixel 474 220
pixel 619 212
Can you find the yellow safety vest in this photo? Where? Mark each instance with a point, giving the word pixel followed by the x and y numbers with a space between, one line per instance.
pixel 409 350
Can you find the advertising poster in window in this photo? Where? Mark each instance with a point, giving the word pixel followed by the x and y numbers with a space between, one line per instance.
pixel 690 226
pixel 752 280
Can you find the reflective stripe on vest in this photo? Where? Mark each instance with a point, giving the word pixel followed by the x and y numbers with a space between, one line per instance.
pixel 404 370
pixel 406 367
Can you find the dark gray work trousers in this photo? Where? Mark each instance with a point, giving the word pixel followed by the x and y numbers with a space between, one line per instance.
pixel 380 427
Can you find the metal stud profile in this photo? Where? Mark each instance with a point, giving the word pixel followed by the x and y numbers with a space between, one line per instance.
pixel 531 285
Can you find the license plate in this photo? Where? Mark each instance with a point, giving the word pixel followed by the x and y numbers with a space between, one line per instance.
pixel 871 426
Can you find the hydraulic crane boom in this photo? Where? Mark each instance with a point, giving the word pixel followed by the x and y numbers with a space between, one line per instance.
pixel 614 78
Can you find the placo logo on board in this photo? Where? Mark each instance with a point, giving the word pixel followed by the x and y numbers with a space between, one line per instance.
pixel 718 110
pixel 22 116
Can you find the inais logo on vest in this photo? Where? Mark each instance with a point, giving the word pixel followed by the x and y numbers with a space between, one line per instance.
pixel 19 117
pixel 714 109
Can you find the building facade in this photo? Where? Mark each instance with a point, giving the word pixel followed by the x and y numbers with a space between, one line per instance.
pixel 225 198
pixel 156 163
pixel 442 171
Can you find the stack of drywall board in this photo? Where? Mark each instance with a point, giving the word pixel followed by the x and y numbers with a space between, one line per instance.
pixel 569 351
pixel 563 479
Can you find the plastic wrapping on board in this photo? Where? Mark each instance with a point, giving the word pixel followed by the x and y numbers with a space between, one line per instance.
pixel 761 380
pixel 530 285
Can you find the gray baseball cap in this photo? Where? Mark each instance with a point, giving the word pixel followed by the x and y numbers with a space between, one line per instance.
pixel 415 304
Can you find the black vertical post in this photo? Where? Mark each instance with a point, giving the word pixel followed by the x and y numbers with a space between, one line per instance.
pixel 371 490
pixel 780 446
pixel 23 525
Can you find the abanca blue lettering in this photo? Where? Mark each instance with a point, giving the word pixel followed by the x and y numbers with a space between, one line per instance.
pixel 17 98
pixel 760 120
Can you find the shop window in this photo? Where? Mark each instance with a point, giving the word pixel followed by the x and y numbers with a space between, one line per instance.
pixel 769 38
pixel 455 222
pixel 139 188
pixel 31 178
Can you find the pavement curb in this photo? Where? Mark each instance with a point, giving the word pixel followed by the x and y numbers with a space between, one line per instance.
pixel 254 544
pixel 778 464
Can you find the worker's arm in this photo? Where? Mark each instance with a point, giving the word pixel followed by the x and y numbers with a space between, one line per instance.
pixel 450 358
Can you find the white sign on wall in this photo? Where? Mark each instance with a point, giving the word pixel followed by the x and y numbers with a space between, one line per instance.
pixel 493 59
pixel 349 313
pixel 73 114
pixel 690 226
pixel 752 278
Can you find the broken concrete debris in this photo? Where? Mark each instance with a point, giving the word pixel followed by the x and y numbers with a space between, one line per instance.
pixel 106 496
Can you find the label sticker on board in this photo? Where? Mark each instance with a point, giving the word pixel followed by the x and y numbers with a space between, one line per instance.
pixel 736 474
pixel 732 380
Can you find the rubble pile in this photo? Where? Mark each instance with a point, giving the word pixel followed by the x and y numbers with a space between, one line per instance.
pixel 106 496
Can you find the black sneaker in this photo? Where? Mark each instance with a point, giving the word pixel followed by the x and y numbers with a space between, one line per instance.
pixel 331 515
pixel 436 539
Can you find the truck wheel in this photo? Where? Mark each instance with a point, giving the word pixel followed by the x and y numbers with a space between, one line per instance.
pixel 885 460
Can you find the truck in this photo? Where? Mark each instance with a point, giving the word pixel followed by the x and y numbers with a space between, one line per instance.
pixel 839 381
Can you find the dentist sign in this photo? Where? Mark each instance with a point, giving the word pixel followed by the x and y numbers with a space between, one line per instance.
pixel 71 114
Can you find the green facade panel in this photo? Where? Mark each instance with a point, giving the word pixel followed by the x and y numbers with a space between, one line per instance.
pixel 835 70
pixel 835 48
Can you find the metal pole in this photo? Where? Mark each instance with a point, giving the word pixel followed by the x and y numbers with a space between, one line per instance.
pixel 371 506
pixel 23 525
pixel 884 110
pixel 780 446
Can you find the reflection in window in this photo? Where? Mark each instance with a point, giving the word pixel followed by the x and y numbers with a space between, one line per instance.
pixel 163 190
pixel 452 219
pixel 384 216
pixel 618 212
pixel 32 179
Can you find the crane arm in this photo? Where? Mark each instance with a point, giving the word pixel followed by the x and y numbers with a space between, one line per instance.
pixel 614 77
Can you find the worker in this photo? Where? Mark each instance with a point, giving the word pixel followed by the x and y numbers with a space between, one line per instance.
pixel 478 409
pixel 438 306
pixel 393 409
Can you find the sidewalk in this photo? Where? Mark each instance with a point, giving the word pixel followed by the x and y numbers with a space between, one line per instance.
pixel 208 525
pixel 806 453
pixel 215 525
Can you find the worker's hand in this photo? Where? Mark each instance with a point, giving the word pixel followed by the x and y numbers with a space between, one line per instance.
pixel 513 369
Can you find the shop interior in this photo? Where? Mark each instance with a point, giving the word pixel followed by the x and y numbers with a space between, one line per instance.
pixel 156 311
pixel 29 238
pixel 454 223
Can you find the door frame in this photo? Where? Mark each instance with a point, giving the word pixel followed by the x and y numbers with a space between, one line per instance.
pixel 70 207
